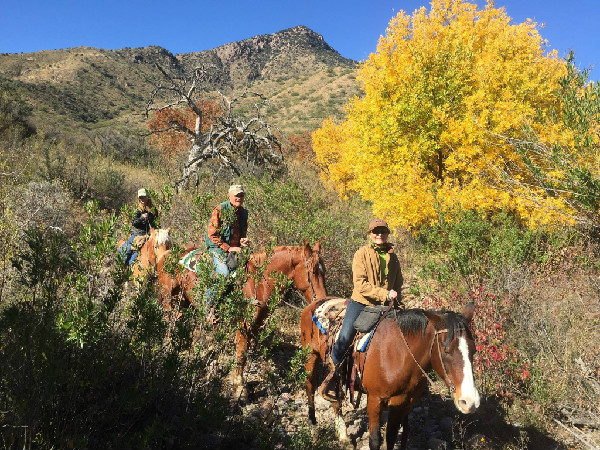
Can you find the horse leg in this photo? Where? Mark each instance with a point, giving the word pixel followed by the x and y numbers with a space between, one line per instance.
pixel 311 384
pixel 241 350
pixel 374 414
pixel 245 334
pixel 397 415
pixel 340 425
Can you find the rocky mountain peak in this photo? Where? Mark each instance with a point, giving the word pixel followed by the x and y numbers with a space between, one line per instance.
pixel 290 52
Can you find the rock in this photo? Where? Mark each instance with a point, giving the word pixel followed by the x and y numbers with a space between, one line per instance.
pixel 445 426
pixel 436 444
pixel 352 429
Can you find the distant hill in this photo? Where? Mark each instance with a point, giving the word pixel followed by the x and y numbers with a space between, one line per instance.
pixel 305 79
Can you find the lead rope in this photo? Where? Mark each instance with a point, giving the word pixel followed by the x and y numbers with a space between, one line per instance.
pixel 446 379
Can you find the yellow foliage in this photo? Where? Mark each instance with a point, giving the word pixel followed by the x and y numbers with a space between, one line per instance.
pixel 442 94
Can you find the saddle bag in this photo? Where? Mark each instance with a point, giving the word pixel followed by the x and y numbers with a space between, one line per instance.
pixel 231 261
pixel 368 318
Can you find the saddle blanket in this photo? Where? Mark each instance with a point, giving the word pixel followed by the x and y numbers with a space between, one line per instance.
pixel 190 260
pixel 332 312
pixel 329 313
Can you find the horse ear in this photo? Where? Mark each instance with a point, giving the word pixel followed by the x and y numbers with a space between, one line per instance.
pixel 317 247
pixel 468 311
pixel 307 250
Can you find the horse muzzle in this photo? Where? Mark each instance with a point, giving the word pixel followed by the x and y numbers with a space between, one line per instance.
pixel 468 403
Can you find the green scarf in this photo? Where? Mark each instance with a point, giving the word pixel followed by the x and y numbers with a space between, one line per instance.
pixel 382 252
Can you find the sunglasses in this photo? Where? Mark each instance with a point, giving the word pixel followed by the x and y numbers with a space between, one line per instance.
pixel 379 231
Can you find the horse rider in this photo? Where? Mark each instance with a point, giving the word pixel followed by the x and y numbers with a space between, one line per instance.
pixel 377 280
pixel 143 219
pixel 227 232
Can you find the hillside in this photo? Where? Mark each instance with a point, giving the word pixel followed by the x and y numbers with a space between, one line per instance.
pixel 304 77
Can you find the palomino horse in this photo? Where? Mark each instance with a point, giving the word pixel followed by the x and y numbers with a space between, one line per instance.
pixel 156 246
pixel 394 367
pixel 300 264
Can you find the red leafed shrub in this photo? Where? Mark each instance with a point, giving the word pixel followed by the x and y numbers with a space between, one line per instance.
pixel 496 364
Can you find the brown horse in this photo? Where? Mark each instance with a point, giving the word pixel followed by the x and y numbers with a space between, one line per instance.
pixel 300 264
pixel 394 367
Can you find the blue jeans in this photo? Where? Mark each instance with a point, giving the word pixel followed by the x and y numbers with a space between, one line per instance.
pixel 347 332
pixel 220 269
pixel 128 253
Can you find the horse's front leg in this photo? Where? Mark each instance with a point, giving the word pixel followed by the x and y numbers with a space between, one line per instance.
pixel 241 351
pixel 374 415
pixel 311 384
pixel 340 425
pixel 243 338
pixel 398 415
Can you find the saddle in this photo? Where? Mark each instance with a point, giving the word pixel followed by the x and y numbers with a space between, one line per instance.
pixel 190 260
pixel 329 317
pixel 139 241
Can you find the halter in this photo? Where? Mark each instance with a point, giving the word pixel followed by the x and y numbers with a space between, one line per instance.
pixel 447 380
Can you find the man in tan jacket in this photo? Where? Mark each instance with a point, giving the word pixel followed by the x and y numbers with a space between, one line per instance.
pixel 377 281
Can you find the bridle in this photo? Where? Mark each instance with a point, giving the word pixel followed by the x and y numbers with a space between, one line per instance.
pixel 445 376
pixel 312 289
pixel 307 270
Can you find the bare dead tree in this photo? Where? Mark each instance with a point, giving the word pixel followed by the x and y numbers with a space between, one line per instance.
pixel 233 142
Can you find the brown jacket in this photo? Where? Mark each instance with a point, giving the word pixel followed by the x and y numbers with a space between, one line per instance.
pixel 368 286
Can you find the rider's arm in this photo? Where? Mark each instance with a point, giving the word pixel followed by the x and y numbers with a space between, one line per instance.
pixel 214 226
pixel 138 220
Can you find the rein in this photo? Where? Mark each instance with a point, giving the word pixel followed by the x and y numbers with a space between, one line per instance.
pixel 449 382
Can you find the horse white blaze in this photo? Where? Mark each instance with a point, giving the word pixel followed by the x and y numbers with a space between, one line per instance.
pixel 469 396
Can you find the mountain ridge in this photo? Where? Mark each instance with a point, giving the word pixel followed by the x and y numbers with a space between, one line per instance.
pixel 303 76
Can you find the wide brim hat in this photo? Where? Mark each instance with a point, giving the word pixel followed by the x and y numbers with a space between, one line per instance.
pixel 378 223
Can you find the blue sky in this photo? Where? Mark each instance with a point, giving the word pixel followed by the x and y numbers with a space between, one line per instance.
pixel 352 27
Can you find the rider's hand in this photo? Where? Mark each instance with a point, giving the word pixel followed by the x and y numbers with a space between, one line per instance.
pixel 244 242
pixel 392 295
pixel 235 249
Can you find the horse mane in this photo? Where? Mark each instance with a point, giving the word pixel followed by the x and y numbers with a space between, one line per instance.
pixel 163 237
pixel 415 321
pixel 260 257
pixel 456 324
pixel 412 321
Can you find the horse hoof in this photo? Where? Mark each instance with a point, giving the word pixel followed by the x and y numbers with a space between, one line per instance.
pixel 312 417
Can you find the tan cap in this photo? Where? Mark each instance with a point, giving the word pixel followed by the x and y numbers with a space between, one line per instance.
pixel 142 193
pixel 236 189
pixel 375 223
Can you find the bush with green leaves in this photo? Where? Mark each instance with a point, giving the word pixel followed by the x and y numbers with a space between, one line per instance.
pixel 86 362
pixel 476 247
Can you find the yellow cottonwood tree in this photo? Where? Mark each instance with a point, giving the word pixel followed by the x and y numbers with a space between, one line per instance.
pixel 444 95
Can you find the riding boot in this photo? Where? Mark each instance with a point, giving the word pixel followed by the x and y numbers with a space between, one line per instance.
pixel 328 388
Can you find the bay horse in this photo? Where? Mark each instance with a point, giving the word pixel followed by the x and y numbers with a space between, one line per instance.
pixel 300 264
pixel 394 368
